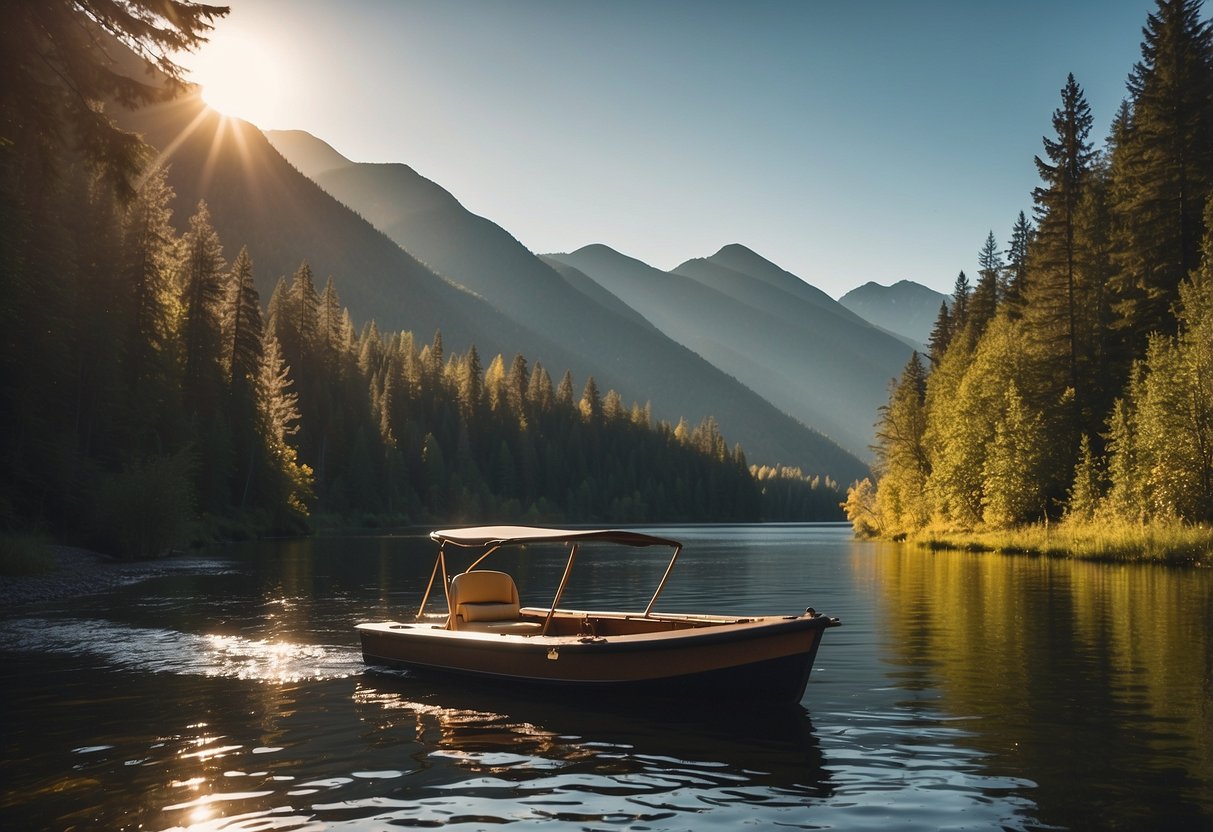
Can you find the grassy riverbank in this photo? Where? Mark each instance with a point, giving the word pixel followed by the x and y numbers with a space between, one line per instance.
pixel 1163 542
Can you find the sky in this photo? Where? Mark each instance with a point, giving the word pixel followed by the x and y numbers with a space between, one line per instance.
pixel 846 142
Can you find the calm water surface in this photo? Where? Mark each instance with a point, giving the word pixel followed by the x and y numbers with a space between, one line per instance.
pixel 962 691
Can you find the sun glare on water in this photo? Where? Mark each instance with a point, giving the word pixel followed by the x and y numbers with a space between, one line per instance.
pixel 241 76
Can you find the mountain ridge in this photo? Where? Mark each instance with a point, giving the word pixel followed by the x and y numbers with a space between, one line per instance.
pixel 905 308
pixel 604 336
pixel 761 326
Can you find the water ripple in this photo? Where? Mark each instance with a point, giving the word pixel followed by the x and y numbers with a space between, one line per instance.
pixel 187 654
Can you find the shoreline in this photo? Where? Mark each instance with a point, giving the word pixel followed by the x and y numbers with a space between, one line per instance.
pixel 82 572
pixel 1171 544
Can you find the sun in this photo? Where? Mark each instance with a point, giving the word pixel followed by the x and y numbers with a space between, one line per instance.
pixel 241 76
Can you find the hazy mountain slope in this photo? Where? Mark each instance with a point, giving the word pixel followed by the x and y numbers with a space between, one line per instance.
pixel 906 307
pixel 310 155
pixel 796 346
pixel 603 336
pixel 596 292
pixel 258 199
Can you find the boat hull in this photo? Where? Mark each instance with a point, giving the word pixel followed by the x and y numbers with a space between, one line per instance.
pixel 765 659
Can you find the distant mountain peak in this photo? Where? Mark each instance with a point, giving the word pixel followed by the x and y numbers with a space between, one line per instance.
pixel 738 252
pixel 906 308
pixel 603 251
pixel 310 156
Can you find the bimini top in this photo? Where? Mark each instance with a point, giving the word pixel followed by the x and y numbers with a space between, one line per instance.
pixel 503 535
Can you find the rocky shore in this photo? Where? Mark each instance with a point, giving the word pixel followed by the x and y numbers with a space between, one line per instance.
pixel 80 572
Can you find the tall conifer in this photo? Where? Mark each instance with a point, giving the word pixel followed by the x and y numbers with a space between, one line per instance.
pixel 1164 167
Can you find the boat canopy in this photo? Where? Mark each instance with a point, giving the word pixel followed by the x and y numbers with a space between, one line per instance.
pixel 505 535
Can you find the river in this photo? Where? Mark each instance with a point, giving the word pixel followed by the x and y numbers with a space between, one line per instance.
pixel 962 691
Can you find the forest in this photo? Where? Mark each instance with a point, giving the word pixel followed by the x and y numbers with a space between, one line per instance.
pixel 1073 381
pixel 145 386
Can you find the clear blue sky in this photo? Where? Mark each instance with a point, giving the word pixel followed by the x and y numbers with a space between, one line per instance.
pixel 847 142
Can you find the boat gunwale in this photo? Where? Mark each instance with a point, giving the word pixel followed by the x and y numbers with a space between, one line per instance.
pixel 741 629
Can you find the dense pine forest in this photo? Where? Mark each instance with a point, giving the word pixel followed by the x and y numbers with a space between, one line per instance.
pixel 144 384
pixel 1074 379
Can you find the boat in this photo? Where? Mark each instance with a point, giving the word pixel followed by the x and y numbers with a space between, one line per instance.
pixel 486 636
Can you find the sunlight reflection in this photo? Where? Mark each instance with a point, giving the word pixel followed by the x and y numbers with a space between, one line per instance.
pixel 170 651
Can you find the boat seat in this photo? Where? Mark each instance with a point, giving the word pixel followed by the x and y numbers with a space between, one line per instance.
pixel 487 601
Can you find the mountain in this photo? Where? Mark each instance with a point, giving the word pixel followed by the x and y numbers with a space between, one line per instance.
pixel 906 308
pixel 603 336
pixel 796 346
pixel 257 199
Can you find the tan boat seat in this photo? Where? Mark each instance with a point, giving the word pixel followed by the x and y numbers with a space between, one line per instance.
pixel 487 601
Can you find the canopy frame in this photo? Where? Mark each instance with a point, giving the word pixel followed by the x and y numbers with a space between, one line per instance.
pixel 492 538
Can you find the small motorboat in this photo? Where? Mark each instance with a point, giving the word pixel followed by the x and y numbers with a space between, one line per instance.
pixel 487 634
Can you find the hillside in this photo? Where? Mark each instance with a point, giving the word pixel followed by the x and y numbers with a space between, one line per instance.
pixel 905 308
pixel 799 349
pixel 258 199
pixel 604 337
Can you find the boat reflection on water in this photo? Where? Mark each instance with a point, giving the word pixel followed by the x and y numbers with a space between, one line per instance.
pixel 652 758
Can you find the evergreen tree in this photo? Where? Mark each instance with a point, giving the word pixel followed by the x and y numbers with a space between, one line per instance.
pixel 902 462
pixel 243 324
pixel 472 387
pixel 1016 270
pixel 61 64
pixel 564 392
pixel 941 335
pixel 1055 296
pixel 962 292
pixel 1164 167
pixel 202 281
pixel 290 482
pixel 149 244
pixel 244 335
pixel 1087 489
pixel 989 261
pixel 591 402
pixel 1125 499
pixel 985 298
pixel 304 317
pixel 1012 471
pixel 331 322
pixel 966 399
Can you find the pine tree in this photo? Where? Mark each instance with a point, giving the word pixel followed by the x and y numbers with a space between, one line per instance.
pixel 1125 499
pixel 1055 296
pixel 591 402
pixel 941 335
pixel 202 281
pixel 1164 167
pixel 243 322
pixel 61 64
pixel 153 408
pixel 564 392
pixel 304 316
pixel 278 406
pixel 472 386
pixel 1016 270
pixel 961 292
pixel 1087 489
pixel 966 399
pixel 985 298
pixel 1012 470
pixel 989 261
pixel 331 323
pixel 902 461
